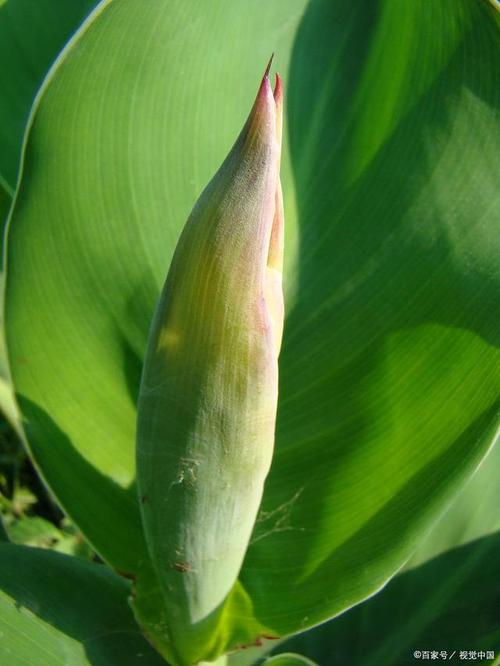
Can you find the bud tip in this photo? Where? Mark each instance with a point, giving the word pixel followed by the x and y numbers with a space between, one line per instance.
pixel 266 73
pixel 278 89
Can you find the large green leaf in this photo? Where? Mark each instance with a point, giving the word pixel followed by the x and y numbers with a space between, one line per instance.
pixel 473 514
pixel 451 603
pixel 31 35
pixel 56 609
pixel 389 369
pixel 32 32
pixel 390 364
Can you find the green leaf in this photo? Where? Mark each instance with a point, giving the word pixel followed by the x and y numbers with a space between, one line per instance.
pixel 33 531
pixel 5 200
pixel 289 659
pixel 38 532
pixel 389 366
pixel 451 603
pixel 31 36
pixel 389 370
pixel 473 513
pixel 8 407
pixel 3 532
pixel 56 609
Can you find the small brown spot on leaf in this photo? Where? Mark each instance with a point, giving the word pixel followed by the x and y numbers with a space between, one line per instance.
pixel 183 567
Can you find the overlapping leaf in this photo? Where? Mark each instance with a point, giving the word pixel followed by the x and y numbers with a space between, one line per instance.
pixel 289 659
pixel 472 514
pixel 450 604
pixel 390 363
pixel 58 610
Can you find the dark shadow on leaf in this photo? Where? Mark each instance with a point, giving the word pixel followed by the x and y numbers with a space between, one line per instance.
pixel 404 242
pixel 132 369
pixel 65 467
pixel 451 602
pixel 80 599
pixel 132 329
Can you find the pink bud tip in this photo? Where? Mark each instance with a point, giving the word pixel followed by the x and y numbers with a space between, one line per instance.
pixel 278 90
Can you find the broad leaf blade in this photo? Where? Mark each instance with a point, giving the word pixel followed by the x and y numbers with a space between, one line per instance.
pixel 389 369
pixel 31 36
pixel 472 514
pixel 451 603
pixel 56 609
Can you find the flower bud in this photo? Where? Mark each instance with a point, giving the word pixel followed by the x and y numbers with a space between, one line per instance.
pixel 209 391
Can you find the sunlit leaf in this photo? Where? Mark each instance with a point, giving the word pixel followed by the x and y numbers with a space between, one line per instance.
pixel 41 533
pixel 31 36
pixel 449 604
pixel 472 514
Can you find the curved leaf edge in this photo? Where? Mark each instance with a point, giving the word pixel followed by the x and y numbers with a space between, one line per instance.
pixel 12 410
